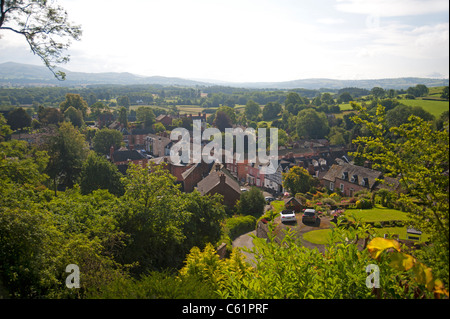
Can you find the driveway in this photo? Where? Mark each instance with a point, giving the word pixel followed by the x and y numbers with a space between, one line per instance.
pixel 246 241
pixel 300 228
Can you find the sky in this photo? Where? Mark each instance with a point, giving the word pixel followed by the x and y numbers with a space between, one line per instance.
pixel 255 40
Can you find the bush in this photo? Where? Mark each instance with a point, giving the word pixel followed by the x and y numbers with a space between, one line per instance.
pixel 239 225
pixel 363 204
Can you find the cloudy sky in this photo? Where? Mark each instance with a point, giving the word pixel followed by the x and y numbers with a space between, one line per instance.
pixel 255 40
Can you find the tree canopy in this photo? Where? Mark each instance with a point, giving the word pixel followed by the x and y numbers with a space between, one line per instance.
pixel 45 27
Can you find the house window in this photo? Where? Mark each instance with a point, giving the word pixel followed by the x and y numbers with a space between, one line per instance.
pixel 354 179
pixel 345 176
pixel 331 186
pixel 342 188
pixel 365 182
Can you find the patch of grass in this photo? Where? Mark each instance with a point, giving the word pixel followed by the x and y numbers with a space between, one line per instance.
pixel 377 214
pixel 319 237
pixel 434 107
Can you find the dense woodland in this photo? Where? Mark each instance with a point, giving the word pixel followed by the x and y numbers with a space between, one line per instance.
pixel 138 236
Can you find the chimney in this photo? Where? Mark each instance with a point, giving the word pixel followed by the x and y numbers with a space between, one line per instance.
pixel 368 164
pixel 222 178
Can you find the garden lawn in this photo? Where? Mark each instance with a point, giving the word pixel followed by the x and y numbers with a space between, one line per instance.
pixel 319 237
pixel 377 214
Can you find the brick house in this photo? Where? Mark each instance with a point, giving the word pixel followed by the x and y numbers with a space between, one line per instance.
pixel 165 119
pixel 254 175
pixel 220 181
pixel 123 157
pixel 194 175
pixel 293 203
pixel 350 179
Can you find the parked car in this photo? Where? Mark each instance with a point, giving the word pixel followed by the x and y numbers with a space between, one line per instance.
pixel 269 199
pixel 288 216
pixel 310 216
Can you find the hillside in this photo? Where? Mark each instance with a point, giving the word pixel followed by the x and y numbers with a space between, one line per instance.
pixel 16 74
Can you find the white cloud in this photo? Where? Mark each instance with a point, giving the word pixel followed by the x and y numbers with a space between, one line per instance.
pixel 331 21
pixel 253 40
pixel 390 8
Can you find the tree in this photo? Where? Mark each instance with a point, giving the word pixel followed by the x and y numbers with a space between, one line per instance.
pixel 345 97
pixel 146 115
pixel 327 99
pixel 378 92
pixel 5 129
pixel 159 127
pixel 156 238
pixel 123 117
pixel 271 111
pixel 76 101
pixel 124 101
pixel 74 116
pixel 251 202
pixel 400 115
pixel 19 119
pixel 204 223
pixel 298 180
pixel 67 150
pixel 105 138
pixel 229 111
pixel 418 90
pixel 45 27
pixel 222 121
pixel 312 124
pixel 445 93
pixel 419 155
pixel 50 116
pixel 99 173
pixel 252 110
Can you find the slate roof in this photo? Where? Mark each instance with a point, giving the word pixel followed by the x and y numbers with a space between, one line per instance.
pixel 122 156
pixel 367 175
pixel 213 179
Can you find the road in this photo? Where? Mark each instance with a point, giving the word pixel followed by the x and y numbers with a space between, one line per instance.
pixel 246 241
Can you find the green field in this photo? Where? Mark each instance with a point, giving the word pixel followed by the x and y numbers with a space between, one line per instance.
pixel 434 107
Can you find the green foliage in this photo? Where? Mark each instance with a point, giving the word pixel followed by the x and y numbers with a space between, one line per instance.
pixel 19 119
pixel 5 130
pixel 99 173
pixel 312 124
pixel 298 180
pixel 251 202
pixel 45 27
pixel 239 225
pixel 105 138
pixel 74 116
pixel 252 110
pixel 271 111
pixel 68 150
pixel 418 154
pixel 75 101
pixel 155 285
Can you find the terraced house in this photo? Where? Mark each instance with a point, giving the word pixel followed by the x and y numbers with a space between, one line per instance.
pixel 350 179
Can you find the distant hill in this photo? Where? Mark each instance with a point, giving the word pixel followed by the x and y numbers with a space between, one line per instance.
pixel 24 74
